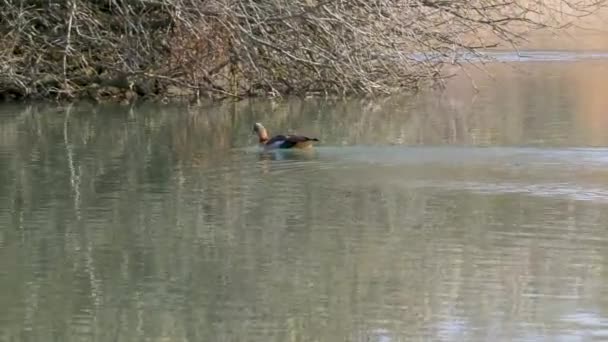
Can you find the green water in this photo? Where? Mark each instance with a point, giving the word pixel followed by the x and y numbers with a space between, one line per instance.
pixel 447 216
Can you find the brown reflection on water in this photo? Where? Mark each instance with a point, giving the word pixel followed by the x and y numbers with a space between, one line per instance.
pixel 592 103
pixel 563 102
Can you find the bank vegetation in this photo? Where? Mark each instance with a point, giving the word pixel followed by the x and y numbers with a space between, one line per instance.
pixel 162 49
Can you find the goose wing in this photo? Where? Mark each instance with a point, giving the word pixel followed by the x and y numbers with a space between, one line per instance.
pixel 289 141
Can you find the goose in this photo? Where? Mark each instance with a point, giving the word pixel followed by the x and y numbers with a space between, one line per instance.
pixel 281 141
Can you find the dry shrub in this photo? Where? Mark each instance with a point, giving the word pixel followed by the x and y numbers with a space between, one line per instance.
pixel 129 48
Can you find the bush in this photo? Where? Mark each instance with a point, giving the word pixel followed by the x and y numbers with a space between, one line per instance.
pixel 124 49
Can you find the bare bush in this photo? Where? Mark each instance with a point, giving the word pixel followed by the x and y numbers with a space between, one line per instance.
pixel 234 48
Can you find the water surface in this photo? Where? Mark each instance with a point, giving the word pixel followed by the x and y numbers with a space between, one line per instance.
pixel 475 215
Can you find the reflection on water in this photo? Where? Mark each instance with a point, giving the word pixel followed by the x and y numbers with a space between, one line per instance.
pixel 545 56
pixel 453 216
pixel 527 56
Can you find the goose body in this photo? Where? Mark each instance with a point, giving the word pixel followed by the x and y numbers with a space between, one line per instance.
pixel 281 141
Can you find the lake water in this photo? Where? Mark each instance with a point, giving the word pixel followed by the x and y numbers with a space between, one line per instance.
pixel 455 215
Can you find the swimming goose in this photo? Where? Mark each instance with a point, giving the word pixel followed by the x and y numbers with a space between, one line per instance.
pixel 281 141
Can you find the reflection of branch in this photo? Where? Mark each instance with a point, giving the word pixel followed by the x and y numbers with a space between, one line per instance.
pixel 74 176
